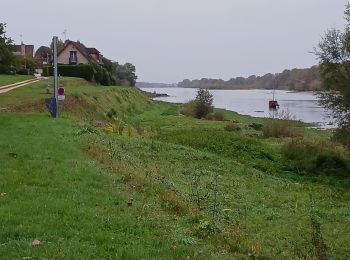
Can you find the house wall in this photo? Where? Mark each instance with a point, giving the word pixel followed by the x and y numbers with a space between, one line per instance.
pixel 63 58
pixel 23 50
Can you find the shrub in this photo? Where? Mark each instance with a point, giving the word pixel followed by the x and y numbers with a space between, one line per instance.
pixel 201 106
pixel 256 126
pixel 215 116
pixel 189 108
pixel 103 76
pixel 317 157
pixel 281 128
pixel 204 103
pixel 232 126
pixel 111 113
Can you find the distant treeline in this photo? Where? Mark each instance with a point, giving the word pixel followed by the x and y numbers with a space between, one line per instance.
pixel 295 79
pixel 155 85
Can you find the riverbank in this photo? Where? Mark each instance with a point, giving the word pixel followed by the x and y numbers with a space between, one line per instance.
pixel 118 175
pixel 294 105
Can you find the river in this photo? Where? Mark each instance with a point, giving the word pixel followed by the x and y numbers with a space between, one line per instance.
pixel 298 105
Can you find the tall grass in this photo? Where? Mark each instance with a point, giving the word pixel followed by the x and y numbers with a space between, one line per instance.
pixel 278 128
pixel 318 157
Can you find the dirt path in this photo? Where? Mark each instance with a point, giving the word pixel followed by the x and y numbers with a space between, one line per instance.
pixel 7 88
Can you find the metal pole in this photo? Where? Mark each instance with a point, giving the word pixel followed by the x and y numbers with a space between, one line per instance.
pixel 55 73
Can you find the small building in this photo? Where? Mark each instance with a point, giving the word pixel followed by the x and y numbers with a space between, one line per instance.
pixel 23 50
pixel 77 53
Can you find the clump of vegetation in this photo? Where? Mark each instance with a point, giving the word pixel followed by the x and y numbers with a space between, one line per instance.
pixel 117 126
pixel 216 116
pixel 278 128
pixel 232 127
pixel 189 109
pixel 256 126
pixel 201 107
pixel 319 157
pixel 173 202
pixel 111 113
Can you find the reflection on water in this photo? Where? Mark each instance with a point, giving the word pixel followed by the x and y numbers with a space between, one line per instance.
pixel 301 105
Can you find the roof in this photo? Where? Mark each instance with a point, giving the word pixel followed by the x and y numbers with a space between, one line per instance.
pixel 29 49
pixel 92 51
pixel 86 52
pixel 43 52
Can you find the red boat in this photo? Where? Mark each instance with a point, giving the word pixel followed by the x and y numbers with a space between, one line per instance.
pixel 273 104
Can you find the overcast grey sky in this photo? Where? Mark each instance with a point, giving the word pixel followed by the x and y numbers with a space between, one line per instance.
pixel 170 40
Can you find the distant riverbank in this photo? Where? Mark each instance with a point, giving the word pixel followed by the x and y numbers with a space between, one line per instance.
pixel 299 105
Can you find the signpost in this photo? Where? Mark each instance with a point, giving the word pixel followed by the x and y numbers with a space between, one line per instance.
pixel 52 103
pixel 55 73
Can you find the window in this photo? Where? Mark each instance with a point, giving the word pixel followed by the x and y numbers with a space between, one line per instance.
pixel 73 59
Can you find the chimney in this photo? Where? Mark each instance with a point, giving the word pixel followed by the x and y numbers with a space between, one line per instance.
pixel 23 49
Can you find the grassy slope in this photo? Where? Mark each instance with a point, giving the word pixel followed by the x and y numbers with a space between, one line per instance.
pixel 9 79
pixel 105 196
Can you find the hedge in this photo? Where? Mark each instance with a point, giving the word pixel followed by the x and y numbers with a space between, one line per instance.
pixel 84 71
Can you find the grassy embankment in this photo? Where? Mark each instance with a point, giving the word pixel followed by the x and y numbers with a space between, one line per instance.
pixel 162 186
pixel 10 79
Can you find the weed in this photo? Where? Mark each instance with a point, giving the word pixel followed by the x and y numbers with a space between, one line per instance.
pixel 317 157
pixel 86 129
pixel 256 126
pixel 217 116
pixel 111 113
pixel 111 149
pixel 278 128
pixel 197 190
pixel 189 109
pixel 232 127
pixel 171 201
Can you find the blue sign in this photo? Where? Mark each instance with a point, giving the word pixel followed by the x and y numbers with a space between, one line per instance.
pixel 51 106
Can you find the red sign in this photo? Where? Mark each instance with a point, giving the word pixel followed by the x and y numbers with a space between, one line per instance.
pixel 61 91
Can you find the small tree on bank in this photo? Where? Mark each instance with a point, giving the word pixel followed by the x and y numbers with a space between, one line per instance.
pixel 204 103
pixel 333 53
pixel 201 106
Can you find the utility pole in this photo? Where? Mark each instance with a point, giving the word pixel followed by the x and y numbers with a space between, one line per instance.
pixel 55 74
pixel 52 103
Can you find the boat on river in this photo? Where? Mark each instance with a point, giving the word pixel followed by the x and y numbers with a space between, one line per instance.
pixel 273 104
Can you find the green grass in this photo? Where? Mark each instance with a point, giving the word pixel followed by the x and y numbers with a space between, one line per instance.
pixel 10 79
pixel 186 190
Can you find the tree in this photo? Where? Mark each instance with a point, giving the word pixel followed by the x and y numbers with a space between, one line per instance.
pixel 60 45
pixel 25 65
pixel 204 103
pixel 333 53
pixel 6 55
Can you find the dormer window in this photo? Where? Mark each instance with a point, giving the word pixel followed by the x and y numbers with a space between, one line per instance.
pixel 73 58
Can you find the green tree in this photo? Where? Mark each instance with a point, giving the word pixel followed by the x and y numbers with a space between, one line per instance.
pixel 333 53
pixel 60 45
pixel 204 103
pixel 6 55
pixel 25 65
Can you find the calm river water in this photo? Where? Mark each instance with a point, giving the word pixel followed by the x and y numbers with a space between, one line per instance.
pixel 301 105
